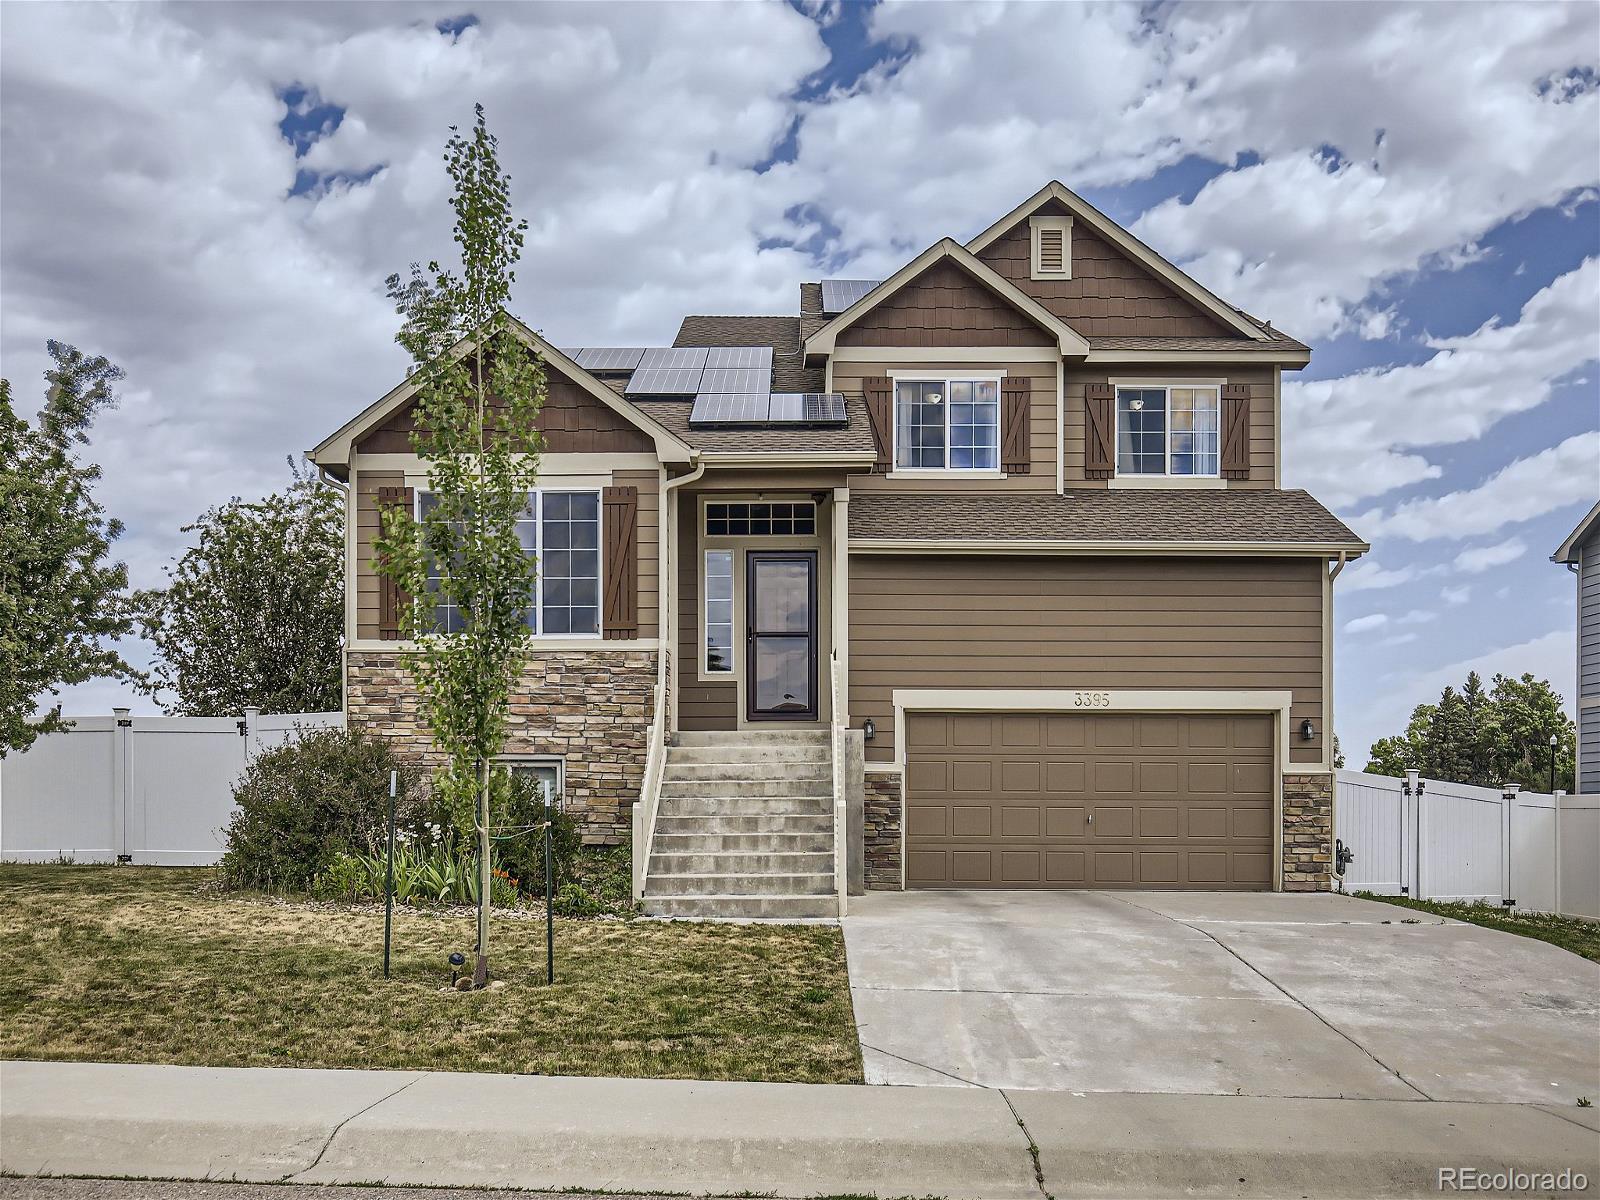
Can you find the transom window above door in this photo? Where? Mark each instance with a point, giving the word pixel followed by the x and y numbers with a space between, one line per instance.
pixel 947 424
pixel 1167 430
pixel 761 519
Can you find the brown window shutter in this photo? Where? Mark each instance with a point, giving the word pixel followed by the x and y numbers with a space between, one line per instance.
pixel 879 392
pixel 1015 452
pixel 1235 431
pixel 620 527
pixel 392 602
pixel 1099 430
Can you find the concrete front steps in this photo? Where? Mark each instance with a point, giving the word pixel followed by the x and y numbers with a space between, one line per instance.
pixel 744 828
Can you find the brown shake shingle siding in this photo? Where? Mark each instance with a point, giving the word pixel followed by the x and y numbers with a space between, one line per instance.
pixel 1271 518
pixel 944 306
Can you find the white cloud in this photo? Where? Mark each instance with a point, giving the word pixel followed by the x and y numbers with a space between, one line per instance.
pixel 1565 474
pixel 1369 622
pixel 1356 436
pixel 1367 575
pixel 1477 559
pixel 1399 639
pixel 1416 616
pixel 1456 595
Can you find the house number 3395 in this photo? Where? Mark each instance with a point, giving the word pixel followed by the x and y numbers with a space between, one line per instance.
pixel 1091 699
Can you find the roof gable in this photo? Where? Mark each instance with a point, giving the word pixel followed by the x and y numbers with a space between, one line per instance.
pixel 937 262
pixel 1102 229
pixel 337 449
pixel 1567 552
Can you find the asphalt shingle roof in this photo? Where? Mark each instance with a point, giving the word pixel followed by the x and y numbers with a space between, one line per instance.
pixel 1102 515
pixel 673 415
pixel 789 371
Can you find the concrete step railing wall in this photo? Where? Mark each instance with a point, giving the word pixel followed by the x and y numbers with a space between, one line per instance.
pixel 155 791
pixel 1436 840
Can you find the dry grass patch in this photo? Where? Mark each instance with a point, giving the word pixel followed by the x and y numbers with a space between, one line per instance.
pixel 127 964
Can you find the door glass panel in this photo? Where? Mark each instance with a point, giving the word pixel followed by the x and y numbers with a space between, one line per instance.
pixel 781 674
pixel 782 601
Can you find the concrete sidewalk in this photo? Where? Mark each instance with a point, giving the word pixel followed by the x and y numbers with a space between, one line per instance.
pixel 789 1140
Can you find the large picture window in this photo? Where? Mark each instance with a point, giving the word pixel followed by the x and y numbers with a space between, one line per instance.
pixel 1167 431
pixel 563 529
pixel 947 424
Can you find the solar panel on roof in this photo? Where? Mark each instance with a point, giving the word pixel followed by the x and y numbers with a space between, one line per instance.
pixel 824 408
pixel 756 357
pixel 719 379
pixel 787 408
pixel 840 294
pixel 658 381
pixel 673 358
pixel 608 358
pixel 728 408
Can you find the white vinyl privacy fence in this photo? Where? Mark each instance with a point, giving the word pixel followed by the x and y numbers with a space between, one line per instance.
pixel 148 790
pixel 1434 840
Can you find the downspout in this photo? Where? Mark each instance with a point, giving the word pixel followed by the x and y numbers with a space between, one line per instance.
pixel 1344 559
pixel 668 583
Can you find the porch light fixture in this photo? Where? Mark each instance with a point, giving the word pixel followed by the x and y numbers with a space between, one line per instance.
pixel 868 729
pixel 1307 730
pixel 1136 404
pixel 934 397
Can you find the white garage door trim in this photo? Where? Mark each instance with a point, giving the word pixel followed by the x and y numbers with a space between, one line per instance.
pixel 1101 700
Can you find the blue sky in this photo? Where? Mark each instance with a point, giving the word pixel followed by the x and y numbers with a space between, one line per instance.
pixel 241 178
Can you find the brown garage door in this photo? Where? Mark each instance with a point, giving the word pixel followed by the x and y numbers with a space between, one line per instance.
pixel 1070 800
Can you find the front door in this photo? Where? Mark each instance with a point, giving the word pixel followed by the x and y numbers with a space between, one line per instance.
pixel 780 635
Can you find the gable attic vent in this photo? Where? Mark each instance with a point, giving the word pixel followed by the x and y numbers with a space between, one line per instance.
pixel 1052 247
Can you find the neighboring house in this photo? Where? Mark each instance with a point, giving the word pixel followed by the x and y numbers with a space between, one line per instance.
pixel 1581 554
pixel 1023 499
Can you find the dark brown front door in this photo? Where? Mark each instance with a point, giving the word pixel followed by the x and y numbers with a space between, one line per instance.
pixel 781 635
pixel 1071 800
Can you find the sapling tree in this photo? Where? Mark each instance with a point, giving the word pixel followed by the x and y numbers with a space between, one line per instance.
pixel 479 387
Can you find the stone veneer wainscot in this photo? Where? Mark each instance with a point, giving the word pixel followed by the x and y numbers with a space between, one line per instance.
pixel 881 832
pixel 589 707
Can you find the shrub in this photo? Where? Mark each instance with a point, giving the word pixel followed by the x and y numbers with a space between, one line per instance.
pixel 307 802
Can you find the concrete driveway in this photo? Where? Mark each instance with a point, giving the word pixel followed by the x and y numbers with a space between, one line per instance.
pixel 1221 993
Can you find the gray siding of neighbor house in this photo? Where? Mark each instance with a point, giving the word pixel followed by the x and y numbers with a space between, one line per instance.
pixel 1589 663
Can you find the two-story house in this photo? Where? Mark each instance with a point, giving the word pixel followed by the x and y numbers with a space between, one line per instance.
pixel 1012 517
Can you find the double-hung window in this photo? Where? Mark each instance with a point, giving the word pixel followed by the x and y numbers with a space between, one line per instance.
pixel 1167 430
pixel 561 528
pixel 947 424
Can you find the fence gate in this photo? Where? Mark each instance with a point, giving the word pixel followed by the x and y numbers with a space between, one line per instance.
pixel 155 791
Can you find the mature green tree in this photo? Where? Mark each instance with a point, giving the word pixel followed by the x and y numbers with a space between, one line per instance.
pixel 60 596
pixel 1484 737
pixel 253 611
pixel 479 389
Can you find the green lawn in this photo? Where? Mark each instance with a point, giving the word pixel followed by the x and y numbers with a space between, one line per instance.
pixel 128 964
pixel 1570 933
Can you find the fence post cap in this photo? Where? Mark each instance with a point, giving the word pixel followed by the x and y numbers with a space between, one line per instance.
pixel 252 710
pixel 1411 776
pixel 1511 789
pixel 121 712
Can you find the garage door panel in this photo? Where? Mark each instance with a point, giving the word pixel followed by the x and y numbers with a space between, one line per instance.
pixel 1066 821
pixel 1021 775
pixel 1019 821
pixel 972 776
pixel 1053 800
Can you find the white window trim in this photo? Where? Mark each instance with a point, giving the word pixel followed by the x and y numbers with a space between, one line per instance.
pixel 946 378
pixel 1035 225
pixel 732 672
pixel 538 494
pixel 1165 475
pixel 510 761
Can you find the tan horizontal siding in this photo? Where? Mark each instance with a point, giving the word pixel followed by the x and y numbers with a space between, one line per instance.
pixel 848 377
pixel 988 622
pixel 700 705
pixel 1263 404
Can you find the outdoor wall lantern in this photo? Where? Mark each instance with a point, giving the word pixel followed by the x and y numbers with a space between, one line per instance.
pixel 868 729
pixel 1307 730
